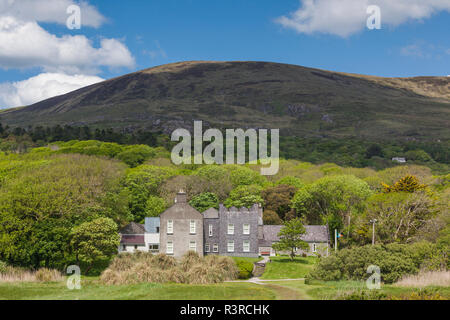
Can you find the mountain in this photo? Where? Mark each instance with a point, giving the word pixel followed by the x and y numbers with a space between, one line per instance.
pixel 300 101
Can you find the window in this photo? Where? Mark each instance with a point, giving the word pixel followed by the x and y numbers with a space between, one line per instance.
pixel 207 247
pixel 230 246
pixel 210 230
pixel 246 229
pixel 314 249
pixel 169 249
pixel 169 226
pixel 157 229
pixel 193 246
pixel 135 247
pixel 192 227
pixel 231 229
pixel 153 248
pixel 124 248
pixel 246 246
pixel 215 247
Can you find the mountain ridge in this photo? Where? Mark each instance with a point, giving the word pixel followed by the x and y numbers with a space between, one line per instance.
pixel 300 101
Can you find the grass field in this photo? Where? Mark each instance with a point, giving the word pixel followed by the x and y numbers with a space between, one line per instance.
pixel 277 290
pixel 285 268
pixel 279 268
pixel 252 260
pixel 93 290
pixel 335 289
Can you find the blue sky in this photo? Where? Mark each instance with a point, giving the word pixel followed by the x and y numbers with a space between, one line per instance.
pixel 326 34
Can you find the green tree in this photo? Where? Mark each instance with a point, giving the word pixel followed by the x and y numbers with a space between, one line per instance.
pixel 400 215
pixel 271 218
pixel 141 183
pixel 95 241
pixel 136 155
pixel 204 201
pixel 291 237
pixel 374 151
pixel 241 176
pixel 333 200
pixel 42 198
pixel 291 181
pixel 154 207
pixel 245 196
pixel 278 199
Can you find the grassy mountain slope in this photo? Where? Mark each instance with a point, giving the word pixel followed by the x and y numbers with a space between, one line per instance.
pixel 298 100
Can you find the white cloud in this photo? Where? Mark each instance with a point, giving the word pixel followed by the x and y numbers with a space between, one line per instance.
pixel 157 52
pixel 26 45
pixel 69 62
pixel 425 50
pixel 41 87
pixel 53 11
pixel 414 50
pixel 346 17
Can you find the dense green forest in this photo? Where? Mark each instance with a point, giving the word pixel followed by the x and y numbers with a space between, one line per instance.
pixel 344 151
pixel 52 194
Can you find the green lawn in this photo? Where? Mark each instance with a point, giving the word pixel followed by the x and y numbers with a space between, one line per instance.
pixel 252 260
pixel 332 290
pixel 93 290
pixel 282 290
pixel 285 268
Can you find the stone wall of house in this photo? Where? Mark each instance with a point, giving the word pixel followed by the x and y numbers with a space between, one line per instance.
pixel 181 214
pixel 239 217
pixel 215 238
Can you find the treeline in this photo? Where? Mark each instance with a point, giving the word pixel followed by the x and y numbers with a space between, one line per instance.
pixel 49 194
pixel 360 154
pixel 39 135
pixel 343 151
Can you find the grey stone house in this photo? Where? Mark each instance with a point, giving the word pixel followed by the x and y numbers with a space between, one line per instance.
pixel 181 229
pixel 232 232
pixel 226 232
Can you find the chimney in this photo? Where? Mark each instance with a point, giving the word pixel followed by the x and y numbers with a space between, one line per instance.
pixel 181 197
pixel 260 215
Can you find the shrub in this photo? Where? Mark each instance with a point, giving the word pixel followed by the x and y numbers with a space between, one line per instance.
pixel 14 274
pixel 3 266
pixel 362 295
pixel 145 267
pixel 48 275
pixel 394 260
pixel 420 294
pixel 245 269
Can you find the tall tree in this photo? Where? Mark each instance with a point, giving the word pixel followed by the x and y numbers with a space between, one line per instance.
pixel 95 241
pixel 333 200
pixel 291 237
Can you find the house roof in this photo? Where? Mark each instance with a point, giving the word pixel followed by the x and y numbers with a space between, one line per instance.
pixel 131 239
pixel 133 228
pixel 313 234
pixel 181 210
pixel 211 213
pixel 316 234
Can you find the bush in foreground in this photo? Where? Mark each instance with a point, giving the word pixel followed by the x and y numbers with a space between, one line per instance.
pixel 425 279
pixel 145 267
pixel 245 269
pixel 394 260
pixel 14 274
